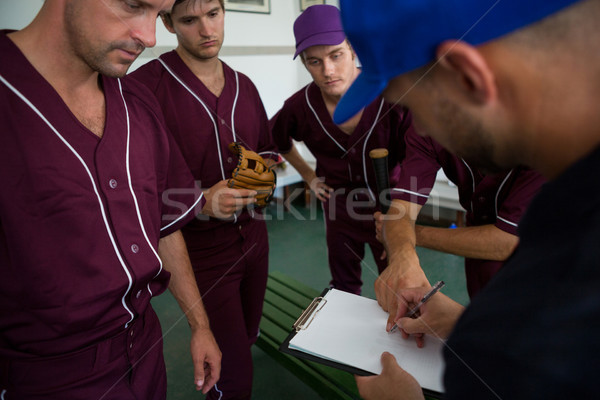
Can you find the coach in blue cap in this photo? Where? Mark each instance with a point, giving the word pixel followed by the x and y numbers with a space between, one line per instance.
pixel 501 83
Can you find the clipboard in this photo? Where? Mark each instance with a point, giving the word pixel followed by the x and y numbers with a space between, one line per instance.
pixel 302 323
pixel 305 321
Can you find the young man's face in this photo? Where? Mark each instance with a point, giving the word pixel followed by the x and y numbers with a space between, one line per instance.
pixel 199 26
pixel 332 67
pixel 109 35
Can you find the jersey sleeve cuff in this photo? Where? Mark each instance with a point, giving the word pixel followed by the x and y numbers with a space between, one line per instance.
pixel 410 196
pixel 174 222
pixel 272 155
pixel 506 225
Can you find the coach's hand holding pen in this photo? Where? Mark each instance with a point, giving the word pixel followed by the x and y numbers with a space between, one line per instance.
pixel 437 313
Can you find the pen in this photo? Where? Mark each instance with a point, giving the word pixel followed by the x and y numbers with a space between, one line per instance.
pixel 425 298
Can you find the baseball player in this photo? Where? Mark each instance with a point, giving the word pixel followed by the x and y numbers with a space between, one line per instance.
pixel 344 179
pixel 495 203
pixel 208 106
pixel 94 192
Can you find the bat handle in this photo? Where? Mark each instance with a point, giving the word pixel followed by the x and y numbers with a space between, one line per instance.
pixel 382 178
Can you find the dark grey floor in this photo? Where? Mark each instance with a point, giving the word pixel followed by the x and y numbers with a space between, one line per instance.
pixel 297 248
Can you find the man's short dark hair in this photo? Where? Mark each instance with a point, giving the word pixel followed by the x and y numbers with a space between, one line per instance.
pixel 167 16
pixel 177 2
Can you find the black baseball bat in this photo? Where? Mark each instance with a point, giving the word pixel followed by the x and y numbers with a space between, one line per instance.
pixel 382 177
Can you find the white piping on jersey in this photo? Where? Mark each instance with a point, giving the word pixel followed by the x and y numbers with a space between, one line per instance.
pixel 237 93
pixel 2 394
pixel 507 221
pixel 410 192
pixel 217 138
pixel 205 107
pixel 364 152
pixel 325 216
pixel 319 121
pixel 135 202
pixel 472 178
pixel 220 393
pixel 108 230
pixel 496 200
pixel 192 207
pixel 497 193
pixel 269 153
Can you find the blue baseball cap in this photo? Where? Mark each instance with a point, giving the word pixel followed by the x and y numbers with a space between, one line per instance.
pixel 392 37
pixel 320 24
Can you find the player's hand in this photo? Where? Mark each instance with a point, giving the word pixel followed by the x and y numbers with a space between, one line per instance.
pixel 394 383
pixel 395 277
pixel 207 359
pixel 436 317
pixel 319 188
pixel 222 202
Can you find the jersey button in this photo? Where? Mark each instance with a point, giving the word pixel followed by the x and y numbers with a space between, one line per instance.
pixel 138 294
pixel 229 160
pixel 112 183
pixel 135 248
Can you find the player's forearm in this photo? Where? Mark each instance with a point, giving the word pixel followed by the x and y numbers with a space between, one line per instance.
pixel 305 170
pixel 174 255
pixel 486 242
pixel 400 241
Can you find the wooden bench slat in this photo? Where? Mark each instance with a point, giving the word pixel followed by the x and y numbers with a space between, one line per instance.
pixel 294 284
pixel 343 380
pixel 291 296
pixel 278 317
pixel 290 309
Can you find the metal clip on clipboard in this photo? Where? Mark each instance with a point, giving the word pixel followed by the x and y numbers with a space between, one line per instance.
pixel 309 314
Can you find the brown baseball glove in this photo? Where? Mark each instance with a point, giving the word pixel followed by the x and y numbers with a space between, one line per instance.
pixel 252 173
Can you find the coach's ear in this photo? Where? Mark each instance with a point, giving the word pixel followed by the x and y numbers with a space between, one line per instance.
pixel 470 69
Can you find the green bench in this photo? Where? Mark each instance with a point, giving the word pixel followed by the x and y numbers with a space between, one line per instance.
pixel 285 299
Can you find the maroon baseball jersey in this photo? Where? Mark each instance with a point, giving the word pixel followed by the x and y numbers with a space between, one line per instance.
pixel 81 216
pixel 341 158
pixel 500 199
pixel 204 135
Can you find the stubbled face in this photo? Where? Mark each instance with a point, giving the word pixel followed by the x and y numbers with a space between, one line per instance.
pixel 437 116
pixel 108 35
pixel 332 67
pixel 199 26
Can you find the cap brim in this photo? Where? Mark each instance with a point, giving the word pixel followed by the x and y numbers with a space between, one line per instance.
pixel 322 39
pixel 362 92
